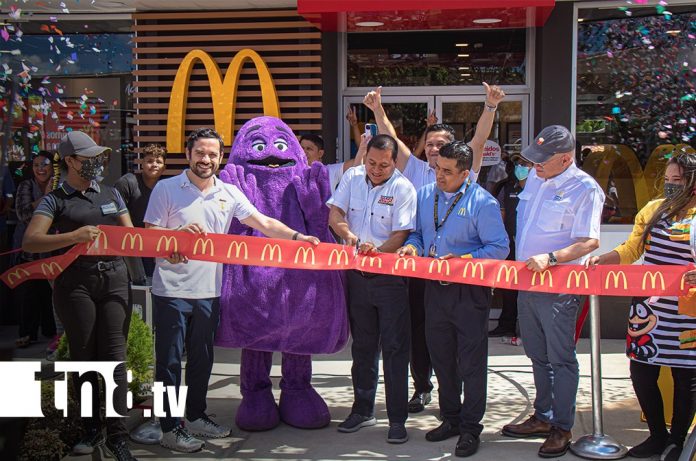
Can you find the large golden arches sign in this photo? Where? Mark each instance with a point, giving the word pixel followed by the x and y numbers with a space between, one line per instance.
pixel 645 183
pixel 222 92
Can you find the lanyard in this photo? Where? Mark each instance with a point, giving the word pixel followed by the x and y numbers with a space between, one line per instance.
pixel 438 224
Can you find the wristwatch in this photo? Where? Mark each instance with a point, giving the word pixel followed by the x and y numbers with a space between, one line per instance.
pixel 552 259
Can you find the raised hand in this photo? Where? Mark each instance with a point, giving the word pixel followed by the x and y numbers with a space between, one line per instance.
pixel 373 99
pixel 234 174
pixel 351 116
pixel 431 120
pixel 494 94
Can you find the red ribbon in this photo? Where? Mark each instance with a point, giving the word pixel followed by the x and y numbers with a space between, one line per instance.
pixel 633 280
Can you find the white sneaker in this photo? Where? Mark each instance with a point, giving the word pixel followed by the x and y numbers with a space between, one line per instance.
pixel 179 439
pixel 206 427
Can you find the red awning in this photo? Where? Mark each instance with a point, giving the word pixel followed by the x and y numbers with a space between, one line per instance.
pixel 395 15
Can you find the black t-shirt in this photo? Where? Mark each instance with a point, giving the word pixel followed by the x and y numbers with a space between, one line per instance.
pixel 71 209
pixel 136 195
pixel 508 199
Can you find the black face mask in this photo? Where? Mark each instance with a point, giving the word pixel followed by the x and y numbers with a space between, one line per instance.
pixel 671 190
pixel 92 169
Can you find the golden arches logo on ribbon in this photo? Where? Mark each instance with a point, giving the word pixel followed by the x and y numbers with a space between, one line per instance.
pixel 542 278
pixel 223 93
pixel 406 263
pixel 616 276
pixel 132 239
pixel 101 238
pixel 271 249
pixel 474 267
pixel 238 247
pixel 440 263
pixel 307 253
pixel 168 241
pixel 204 242
pixel 372 260
pixel 339 255
pixel 576 276
pixel 17 274
pixel 510 272
pixel 51 269
pixel 654 276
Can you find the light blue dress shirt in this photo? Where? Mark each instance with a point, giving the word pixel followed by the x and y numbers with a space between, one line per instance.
pixel 475 225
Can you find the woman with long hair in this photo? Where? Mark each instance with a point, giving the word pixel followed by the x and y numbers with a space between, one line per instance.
pixel 33 297
pixel 660 327
pixel 91 296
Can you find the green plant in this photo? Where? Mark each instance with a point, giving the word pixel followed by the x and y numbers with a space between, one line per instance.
pixel 42 445
pixel 139 359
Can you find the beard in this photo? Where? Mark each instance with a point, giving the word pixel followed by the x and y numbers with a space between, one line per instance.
pixel 201 172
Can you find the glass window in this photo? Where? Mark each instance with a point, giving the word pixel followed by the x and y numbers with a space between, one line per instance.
pixel 437 58
pixel 635 99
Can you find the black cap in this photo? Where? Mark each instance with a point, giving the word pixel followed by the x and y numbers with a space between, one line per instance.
pixel 552 140
pixel 79 143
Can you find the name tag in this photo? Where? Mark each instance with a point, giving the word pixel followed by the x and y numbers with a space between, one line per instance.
pixel 386 200
pixel 109 208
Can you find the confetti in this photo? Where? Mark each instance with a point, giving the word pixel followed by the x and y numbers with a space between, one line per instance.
pixel 5 34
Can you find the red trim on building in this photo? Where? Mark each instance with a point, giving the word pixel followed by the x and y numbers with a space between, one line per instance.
pixel 396 15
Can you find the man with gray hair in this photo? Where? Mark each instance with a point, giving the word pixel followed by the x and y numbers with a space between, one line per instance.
pixel 558 218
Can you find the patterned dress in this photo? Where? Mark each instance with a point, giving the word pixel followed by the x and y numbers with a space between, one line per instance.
pixel 658 333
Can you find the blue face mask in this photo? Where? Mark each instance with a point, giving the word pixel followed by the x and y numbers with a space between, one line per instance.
pixel 521 172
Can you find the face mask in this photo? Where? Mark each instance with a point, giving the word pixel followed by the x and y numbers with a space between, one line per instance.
pixel 671 190
pixel 93 169
pixel 521 172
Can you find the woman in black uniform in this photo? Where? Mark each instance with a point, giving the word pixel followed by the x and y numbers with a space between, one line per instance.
pixel 91 295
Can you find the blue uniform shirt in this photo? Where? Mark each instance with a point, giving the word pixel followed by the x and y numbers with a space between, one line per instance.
pixel 475 225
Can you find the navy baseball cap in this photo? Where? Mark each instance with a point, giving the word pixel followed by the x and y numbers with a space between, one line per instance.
pixel 552 140
pixel 79 143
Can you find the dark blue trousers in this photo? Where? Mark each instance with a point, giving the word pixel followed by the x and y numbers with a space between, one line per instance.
pixel 192 322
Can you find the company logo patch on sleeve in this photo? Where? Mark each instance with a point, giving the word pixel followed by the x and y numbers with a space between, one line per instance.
pixel 386 200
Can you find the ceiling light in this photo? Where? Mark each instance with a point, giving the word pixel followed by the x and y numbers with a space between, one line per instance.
pixel 674 32
pixel 466 75
pixel 463 55
pixel 581 19
pixel 464 68
pixel 487 21
pixel 462 44
pixel 369 24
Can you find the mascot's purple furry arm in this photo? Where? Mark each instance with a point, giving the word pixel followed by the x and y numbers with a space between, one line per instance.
pixel 263 309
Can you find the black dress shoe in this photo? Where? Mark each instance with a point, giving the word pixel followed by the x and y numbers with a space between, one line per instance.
pixel 418 402
pixel 467 445
pixel 443 432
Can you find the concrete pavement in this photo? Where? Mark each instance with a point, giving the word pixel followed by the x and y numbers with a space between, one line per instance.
pixel 510 398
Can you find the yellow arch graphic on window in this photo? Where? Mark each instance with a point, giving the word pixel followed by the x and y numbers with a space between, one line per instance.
pixel 644 184
pixel 223 94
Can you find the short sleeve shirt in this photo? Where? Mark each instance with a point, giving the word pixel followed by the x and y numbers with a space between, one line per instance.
pixel 555 213
pixel 335 173
pixel 136 194
pixel 177 202
pixel 374 212
pixel 71 209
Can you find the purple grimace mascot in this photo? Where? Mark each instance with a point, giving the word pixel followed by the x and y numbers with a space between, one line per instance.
pixel 264 309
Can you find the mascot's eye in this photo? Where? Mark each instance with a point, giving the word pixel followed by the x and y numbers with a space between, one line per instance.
pixel 281 145
pixel 642 312
pixel 258 146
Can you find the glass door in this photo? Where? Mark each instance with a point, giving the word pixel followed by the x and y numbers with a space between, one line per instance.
pixel 407 113
pixel 510 130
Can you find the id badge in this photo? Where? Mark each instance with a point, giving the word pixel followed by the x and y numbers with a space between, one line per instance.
pixel 109 208
pixel 432 252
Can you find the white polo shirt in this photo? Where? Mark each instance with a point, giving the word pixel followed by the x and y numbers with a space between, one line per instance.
pixel 177 202
pixel 373 213
pixel 421 174
pixel 554 213
pixel 335 173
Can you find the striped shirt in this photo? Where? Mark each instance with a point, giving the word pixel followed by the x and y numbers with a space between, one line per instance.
pixel 655 324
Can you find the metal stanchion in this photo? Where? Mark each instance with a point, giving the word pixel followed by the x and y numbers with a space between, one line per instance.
pixel 149 432
pixel 597 445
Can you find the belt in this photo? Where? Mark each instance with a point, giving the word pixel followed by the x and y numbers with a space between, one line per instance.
pixel 100 266
pixel 367 275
